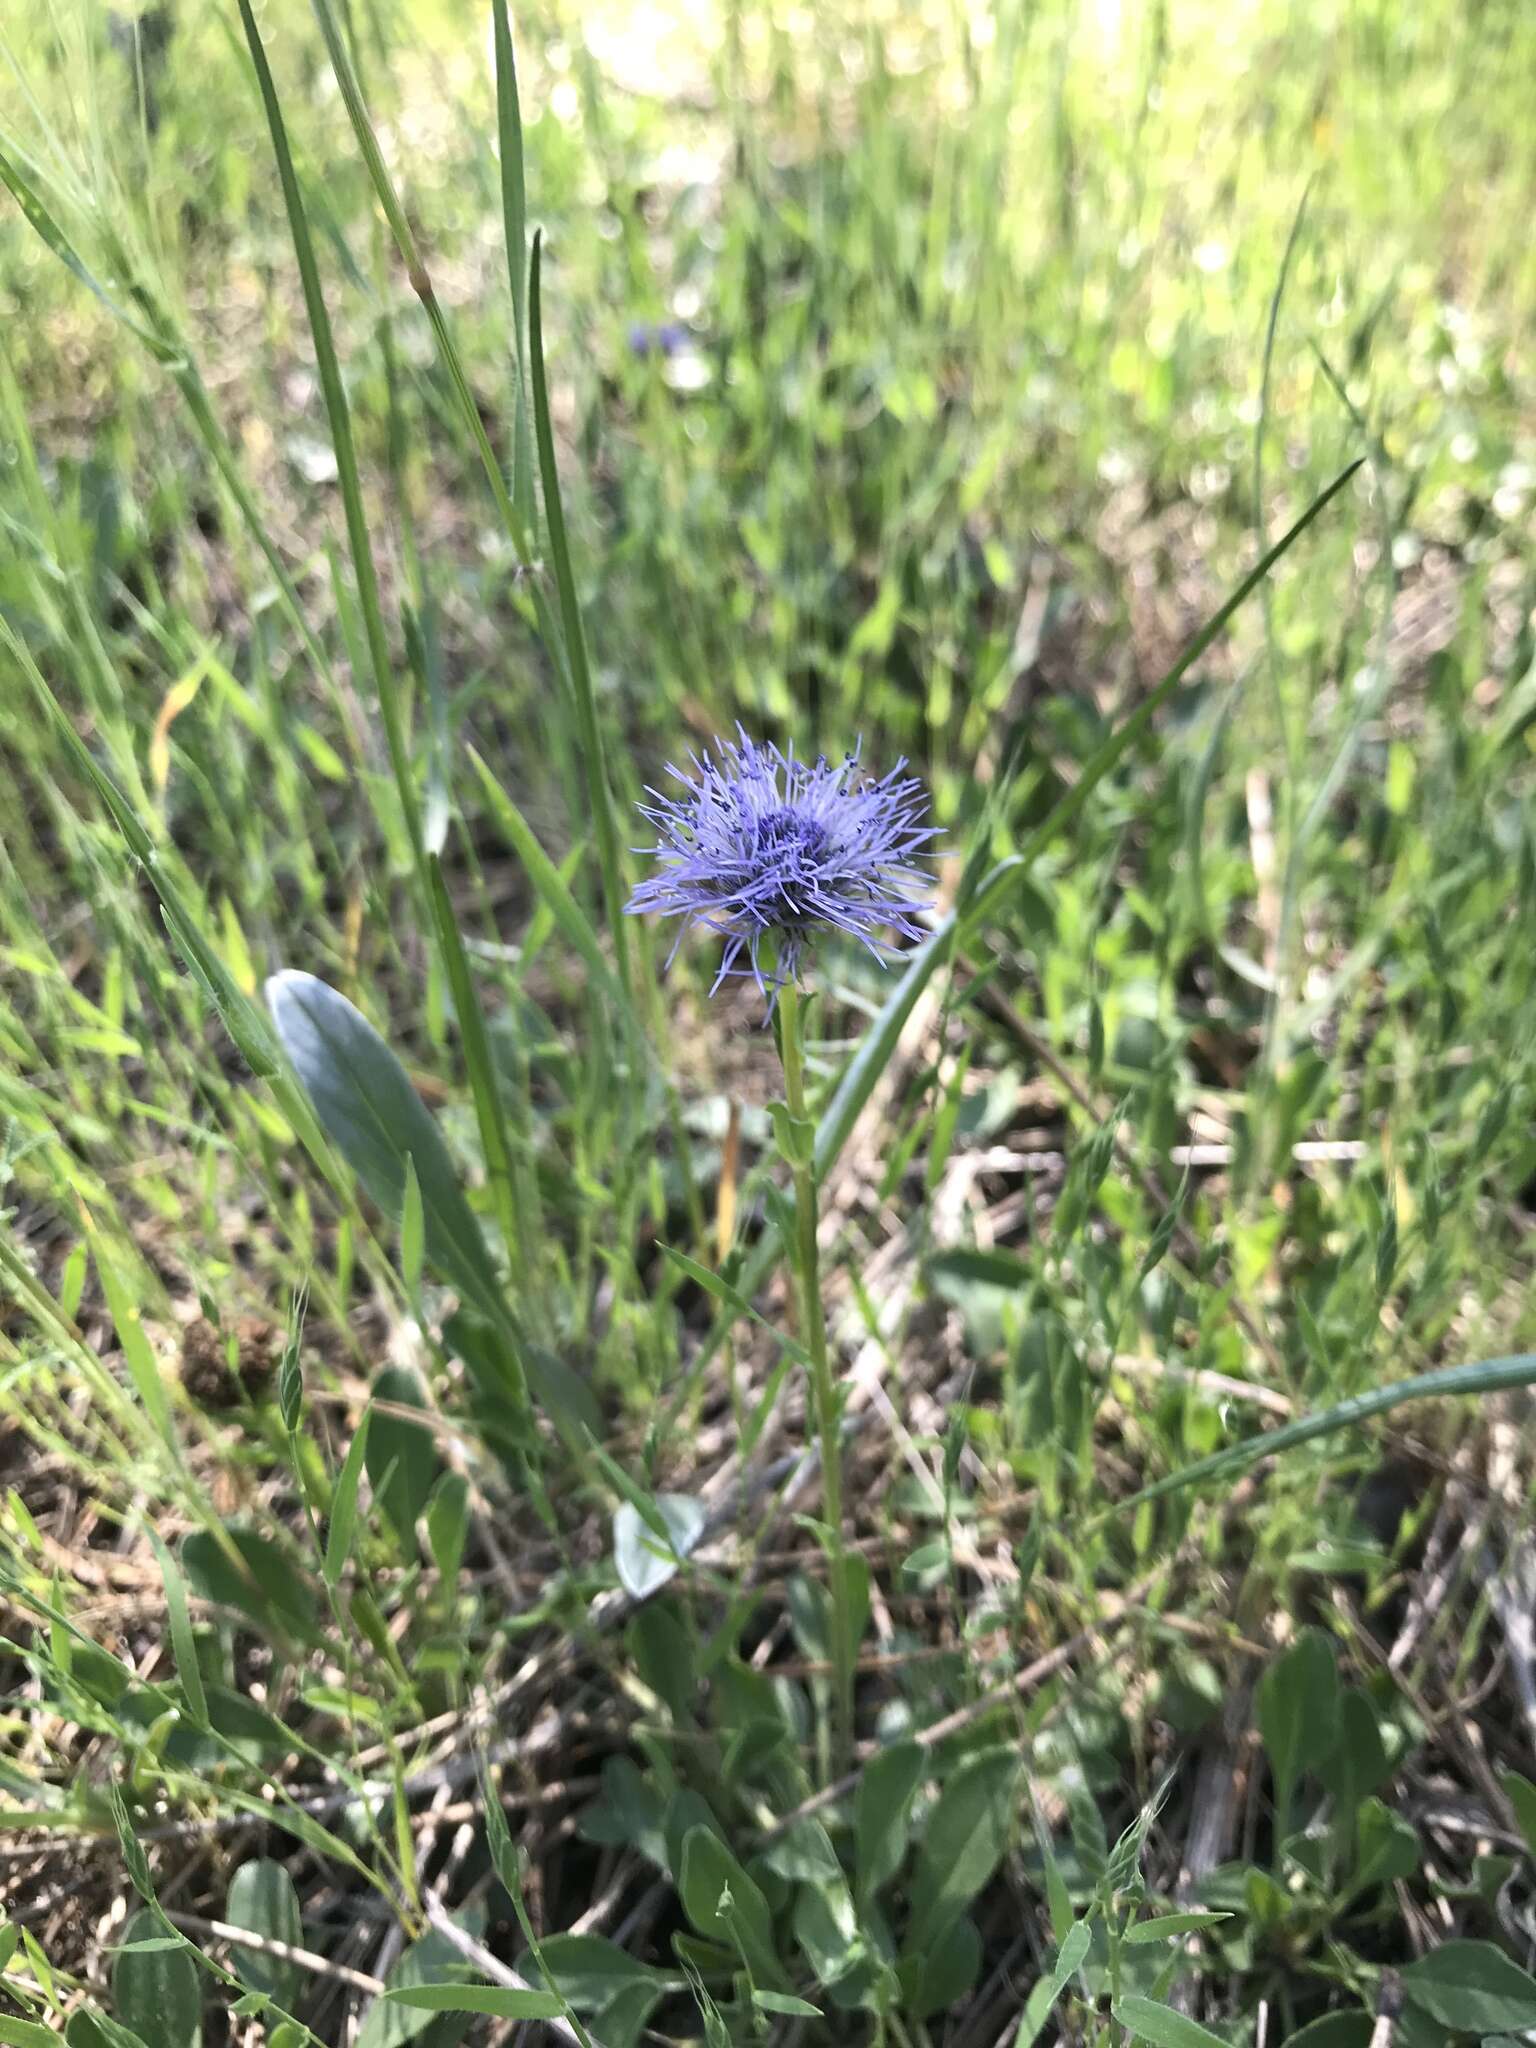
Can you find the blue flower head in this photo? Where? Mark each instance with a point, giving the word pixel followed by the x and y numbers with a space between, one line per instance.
pixel 761 845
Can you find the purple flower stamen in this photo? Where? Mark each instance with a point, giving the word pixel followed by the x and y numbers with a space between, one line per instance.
pixel 761 845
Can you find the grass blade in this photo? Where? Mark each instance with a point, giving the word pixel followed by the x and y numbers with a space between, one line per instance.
pixel 489 1113
pixel 514 212
pixel 416 270
pixel 340 419
pixel 183 1643
pixel 1492 1376
pixel 599 793
pixel 338 1542
pixel 574 924
pixel 47 228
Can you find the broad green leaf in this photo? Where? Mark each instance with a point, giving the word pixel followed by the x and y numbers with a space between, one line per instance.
pixel 25 2034
pixel 240 1720
pixel 431 1960
pixel 1299 1710
pixel 1473 1987
pixel 661 1643
pixel 269 1588
pixel 1146 2020
pixel 796 1136
pixel 642 1560
pixel 687 1809
pixel 786 2003
pixel 629 1812
pixel 157 1991
pixel 1386 1846
pixel 591 1971
pixel 963 1843
pixel 804 1854
pixel 1042 2000
pixel 403 1462
pixel 365 1102
pixel 263 1901
pixel 940 1977
pixel 1166 1925
pixel 501 2000
pixel 826 1928
pixel 726 1906
pixel 882 1809
pixel 623 2020
pixel 1359 1763
pixel 88 2029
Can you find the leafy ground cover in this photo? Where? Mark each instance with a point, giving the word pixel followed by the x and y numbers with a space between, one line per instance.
pixel 418 1616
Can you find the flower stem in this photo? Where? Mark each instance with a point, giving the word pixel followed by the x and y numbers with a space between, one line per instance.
pixel 805 1257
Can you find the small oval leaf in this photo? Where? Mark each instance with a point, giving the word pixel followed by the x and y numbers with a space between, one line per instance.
pixel 640 1557
pixel 157 1990
pixel 263 1901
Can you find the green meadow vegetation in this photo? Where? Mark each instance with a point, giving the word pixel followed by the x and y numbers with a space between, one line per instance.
pixel 425 1310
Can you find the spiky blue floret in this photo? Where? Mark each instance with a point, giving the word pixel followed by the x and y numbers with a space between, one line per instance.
pixel 761 845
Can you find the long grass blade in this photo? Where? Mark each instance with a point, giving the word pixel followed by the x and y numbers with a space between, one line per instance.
pixel 1492 1376
pixel 598 790
pixel 572 921
pixel 489 1112
pixel 340 418
pixel 514 212
pixel 416 271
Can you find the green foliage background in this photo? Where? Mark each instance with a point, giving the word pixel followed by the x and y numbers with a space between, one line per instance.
pixel 917 373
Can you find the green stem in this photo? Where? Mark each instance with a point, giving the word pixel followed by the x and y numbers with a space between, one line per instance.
pixel 806 1258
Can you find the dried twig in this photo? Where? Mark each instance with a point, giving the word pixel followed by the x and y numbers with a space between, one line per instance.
pixel 301 1958
pixel 442 1921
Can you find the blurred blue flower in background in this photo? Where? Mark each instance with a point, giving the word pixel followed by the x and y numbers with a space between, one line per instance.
pixel 666 338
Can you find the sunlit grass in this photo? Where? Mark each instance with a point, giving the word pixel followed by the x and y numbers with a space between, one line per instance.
pixel 1000 346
